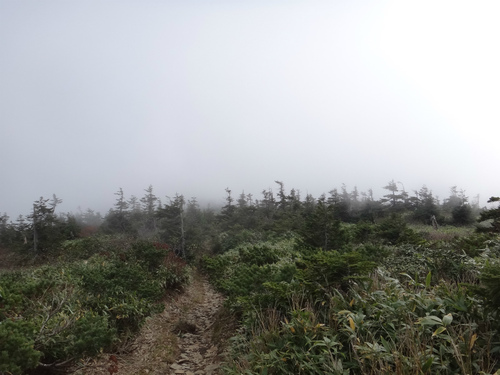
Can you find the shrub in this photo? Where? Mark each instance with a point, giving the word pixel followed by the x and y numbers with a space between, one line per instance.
pixel 490 285
pixel 87 334
pixel 363 231
pixel 473 244
pixel 299 346
pixel 150 254
pixel 174 273
pixel 327 270
pixel 17 352
pixel 51 314
pixel 82 248
pixel 394 230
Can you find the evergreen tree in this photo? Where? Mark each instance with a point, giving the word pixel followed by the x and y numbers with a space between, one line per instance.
pixel 396 200
pixel 493 215
pixel 171 224
pixel 458 208
pixel 46 228
pixel 148 206
pixel 462 215
pixel 391 198
pixel 425 206
pixel 118 219
pixel 322 229
pixel 198 226
pixel 268 203
pixel 282 201
pixel 8 233
pixel 242 201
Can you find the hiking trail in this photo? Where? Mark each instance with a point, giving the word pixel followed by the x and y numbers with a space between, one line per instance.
pixel 180 340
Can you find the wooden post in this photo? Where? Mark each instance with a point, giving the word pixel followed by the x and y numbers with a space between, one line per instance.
pixel 434 222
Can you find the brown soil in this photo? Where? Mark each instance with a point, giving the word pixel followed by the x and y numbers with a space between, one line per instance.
pixel 180 340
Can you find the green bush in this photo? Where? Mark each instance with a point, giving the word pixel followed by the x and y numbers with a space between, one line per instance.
pixel 88 334
pixel 363 231
pixel 112 277
pixel 17 352
pixel 64 311
pixel 150 254
pixel 299 346
pixel 395 231
pixel 374 252
pixel 82 248
pixel 490 285
pixel 326 270
pixel 473 244
pixel 416 261
pixel 379 309
pixel 258 254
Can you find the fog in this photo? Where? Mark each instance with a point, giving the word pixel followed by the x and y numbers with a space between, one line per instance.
pixel 194 97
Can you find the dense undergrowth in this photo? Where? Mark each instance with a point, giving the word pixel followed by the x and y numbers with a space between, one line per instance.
pixel 93 298
pixel 341 284
pixel 412 307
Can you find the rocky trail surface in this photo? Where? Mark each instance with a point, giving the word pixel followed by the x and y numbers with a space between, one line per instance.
pixel 180 340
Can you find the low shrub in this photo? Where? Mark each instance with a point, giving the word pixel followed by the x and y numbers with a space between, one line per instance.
pixel 370 308
pixel 17 352
pixel 395 231
pixel 55 313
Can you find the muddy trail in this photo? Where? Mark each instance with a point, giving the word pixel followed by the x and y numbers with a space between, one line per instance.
pixel 186 338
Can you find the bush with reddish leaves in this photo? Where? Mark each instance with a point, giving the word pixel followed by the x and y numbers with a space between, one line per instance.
pixel 174 272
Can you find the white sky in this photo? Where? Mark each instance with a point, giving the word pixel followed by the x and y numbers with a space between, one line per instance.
pixel 195 96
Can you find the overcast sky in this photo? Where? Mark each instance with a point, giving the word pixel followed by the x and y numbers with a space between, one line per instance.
pixel 196 96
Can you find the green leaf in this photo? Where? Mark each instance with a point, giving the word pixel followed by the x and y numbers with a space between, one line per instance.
pixel 430 320
pixel 427 365
pixel 428 280
pixel 438 331
pixel 447 319
pixel 386 344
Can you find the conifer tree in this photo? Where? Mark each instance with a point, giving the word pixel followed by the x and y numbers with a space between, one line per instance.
pixel 148 205
pixel 493 215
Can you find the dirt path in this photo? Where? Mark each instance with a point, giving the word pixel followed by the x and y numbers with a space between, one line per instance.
pixel 177 341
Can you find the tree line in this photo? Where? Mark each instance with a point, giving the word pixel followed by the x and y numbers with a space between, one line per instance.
pixel 187 228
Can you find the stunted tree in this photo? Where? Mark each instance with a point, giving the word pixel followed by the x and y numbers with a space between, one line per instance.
pixel 282 201
pixel 267 204
pixel 492 215
pixel 396 200
pixel 148 205
pixel 46 228
pixel 121 204
pixel 198 226
pixel 322 229
pixel 7 231
pixel 242 201
pixel 457 206
pixel 118 219
pixel 455 199
pixel 171 224
pixel 294 200
pixel 425 206
pixel 341 204
pixel 229 208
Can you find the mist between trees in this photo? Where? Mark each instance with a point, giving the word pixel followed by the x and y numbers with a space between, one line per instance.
pixel 187 227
